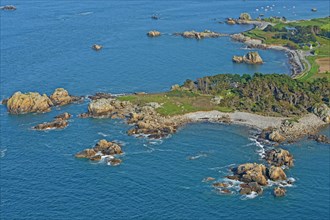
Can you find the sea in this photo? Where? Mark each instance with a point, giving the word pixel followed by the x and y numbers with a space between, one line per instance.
pixel 46 44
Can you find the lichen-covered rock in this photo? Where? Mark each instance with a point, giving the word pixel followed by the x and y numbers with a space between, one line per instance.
pixel 247 189
pixel 279 191
pixel 153 33
pixel 63 116
pixel 21 103
pixel 251 172
pixel 61 97
pixel 276 173
pixel 108 107
pixel 238 59
pixel 279 157
pixel 108 147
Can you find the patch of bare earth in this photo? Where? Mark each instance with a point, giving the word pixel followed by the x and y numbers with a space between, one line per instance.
pixel 324 64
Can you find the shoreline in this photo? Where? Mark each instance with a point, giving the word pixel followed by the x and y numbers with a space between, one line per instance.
pixel 295 57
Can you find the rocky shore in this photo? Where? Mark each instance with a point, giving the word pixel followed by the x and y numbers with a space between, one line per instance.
pixel 295 58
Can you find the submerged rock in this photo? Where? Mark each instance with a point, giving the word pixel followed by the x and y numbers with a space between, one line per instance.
pixel 20 103
pixel 220 184
pixel 249 58
pixel 153 33
pixel 8 8
pixel 208 179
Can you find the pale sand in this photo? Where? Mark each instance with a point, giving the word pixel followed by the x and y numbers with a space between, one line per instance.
pixel 256 121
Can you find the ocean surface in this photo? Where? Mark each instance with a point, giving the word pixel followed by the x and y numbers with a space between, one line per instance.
pixel 47 44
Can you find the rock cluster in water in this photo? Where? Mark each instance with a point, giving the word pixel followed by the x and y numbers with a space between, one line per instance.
pixel 60 122
pixel 255 176
pixel 250 58
pixel 102 148
pixel 20 103
pixel 200 35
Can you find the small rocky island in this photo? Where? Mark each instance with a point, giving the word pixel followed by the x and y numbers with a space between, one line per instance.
pixel 153 33
pixel 249 58
pixel 200 35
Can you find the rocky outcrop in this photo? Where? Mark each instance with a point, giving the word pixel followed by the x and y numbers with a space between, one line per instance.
pixel 8 8
pixel 59 122
pixel 20 103
pixel 279 157
pixel 276 173
pixel 153 33
pixel 61 97
pixel 200 35
pixel 102 148
pixel 113 108
pixel 249 58
pixel 252 172
pixel 276 136
pixel 279 192
pixel 97 47
pixel 322 111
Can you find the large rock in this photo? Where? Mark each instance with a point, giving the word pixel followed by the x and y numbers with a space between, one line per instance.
pixel 276 173
pixel 279 157
pixel 249 58
pixel 101 107
pixel 21 103
pixel 153 33
pixel 61 97
pixel 322 111
pixel 252 172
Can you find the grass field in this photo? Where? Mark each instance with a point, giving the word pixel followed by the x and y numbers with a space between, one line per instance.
pixel 177 102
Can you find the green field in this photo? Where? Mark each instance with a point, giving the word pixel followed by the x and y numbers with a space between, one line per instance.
pixel 321 41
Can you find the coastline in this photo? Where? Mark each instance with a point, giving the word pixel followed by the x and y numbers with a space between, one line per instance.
pixel 295 57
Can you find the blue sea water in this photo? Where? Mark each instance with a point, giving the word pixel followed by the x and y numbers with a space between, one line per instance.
pixel 47 44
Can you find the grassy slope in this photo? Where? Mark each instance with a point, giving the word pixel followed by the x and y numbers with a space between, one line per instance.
pixel 177 102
